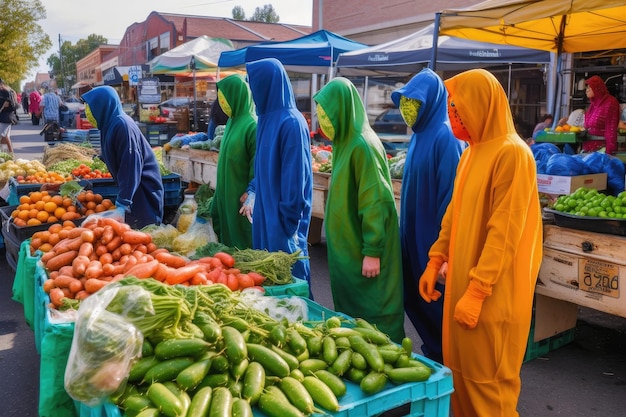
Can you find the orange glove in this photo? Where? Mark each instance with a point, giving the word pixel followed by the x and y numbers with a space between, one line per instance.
pixel 428 280
pixel 467 310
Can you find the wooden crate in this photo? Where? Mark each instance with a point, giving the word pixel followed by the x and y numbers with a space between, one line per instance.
pixel 585 268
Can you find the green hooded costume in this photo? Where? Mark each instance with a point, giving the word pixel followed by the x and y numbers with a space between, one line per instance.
pixel 235 166
pixel 361 217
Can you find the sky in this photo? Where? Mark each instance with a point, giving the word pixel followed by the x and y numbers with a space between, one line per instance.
pixel 73 20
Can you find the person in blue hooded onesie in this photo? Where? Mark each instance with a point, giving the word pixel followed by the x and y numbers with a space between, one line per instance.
pixel 427 183
pixel 279 196
pixel 129 158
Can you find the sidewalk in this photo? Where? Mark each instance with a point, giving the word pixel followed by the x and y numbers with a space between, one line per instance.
pixel 27 142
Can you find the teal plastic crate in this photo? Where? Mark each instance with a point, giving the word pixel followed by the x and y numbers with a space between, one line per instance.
pixel 299 287
pixel 174 190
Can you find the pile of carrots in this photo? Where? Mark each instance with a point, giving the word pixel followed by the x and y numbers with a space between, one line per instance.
pixel 89 257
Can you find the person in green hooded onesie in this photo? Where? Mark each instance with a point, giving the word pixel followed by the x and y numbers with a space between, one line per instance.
pixel 235 166
pixel 361 221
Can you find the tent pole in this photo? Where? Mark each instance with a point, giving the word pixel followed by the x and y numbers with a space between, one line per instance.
pixel 433 59
pixel 509 86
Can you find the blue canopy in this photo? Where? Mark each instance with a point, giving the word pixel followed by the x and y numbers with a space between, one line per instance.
pixel 409 54
pixel 314 53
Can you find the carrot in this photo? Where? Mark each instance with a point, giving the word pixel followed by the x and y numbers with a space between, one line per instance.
pixel 157 251
pixel 257 278
pixel 232 282
pixel 130 263
pixel 97 232
pixel 86 249
pixel 63 281
pixel 114 243
pixel 47 256
pixel 106 258
pixel 216 263
pixel 118 227
pixel 214 274
pixel 144 270
pixel 53 274
pixel 68 245
pixel 136 237
pixel 200 278
pixel 101 249
pixel 180 275
pixel 245 281
pixel 126 249
pixel 222 278
pixel 66 292
pixel 79 265
pixel 107 235
pixel 161 272
pixel 48 285
pixel 233 271
pixel 107 268
pixel 76 232
pixel 88 236
pixel 117 255
pixel 65 270
pixel 75 286
pixel 94 270
pixel 60 260
pixel 169 259
pixel 141 248
pixel 151 247
pixel 81 295
pixel 94 284
pixel 56 297
pixel 227 259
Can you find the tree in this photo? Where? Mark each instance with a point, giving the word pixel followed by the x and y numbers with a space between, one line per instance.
pixel 238 13
pixel 265 14
pixel 22 40
pixel 64 65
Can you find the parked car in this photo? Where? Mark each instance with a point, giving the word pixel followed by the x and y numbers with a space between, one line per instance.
pixel 390 121
pixel 74 104
pixel 167 109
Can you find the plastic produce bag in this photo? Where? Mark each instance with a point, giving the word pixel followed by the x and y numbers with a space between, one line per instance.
pixel 567 165
pixel 542 152
pixel 105 343
pixel 199 234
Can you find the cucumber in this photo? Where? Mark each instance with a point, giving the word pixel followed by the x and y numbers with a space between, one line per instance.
pixel 235 388
pixel 342 363
pixel 273 405
pixel 273 363
pixel 364 324
pixel 214 381
pixel 297 394
pixel 409 374
pixel 278 335
pixel 235 344
pixel 373 382
pixel 355 375
pixel 182 395
pixel 138 369
pixel 296 342
pixel 403 361
pixel 342 343
pixel 253 382
pixel 146 348
pixel 211 331
pixel 221 402
pixel 321 393
pixel 314 345
pixel 136 403
pixel 407 345
pixel 373 336
pixel 343 332
pixel 297 374
pixel 148 412
pixel 220 364
pixel 370 352
pixel 175 348
pixel 329 350
pixel 358 361
pixel 390 356
pixel 239 408
pixel 200 402
pixel 237 370
pixel 311 365
pixel 190 377
pixel 336 384
pixel 167 370
pixel 165 400
pixel 291 360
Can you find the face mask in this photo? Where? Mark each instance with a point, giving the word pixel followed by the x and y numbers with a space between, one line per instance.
pixel 325 124
pixel 456 123
pixel 89 116
pixel 224 104
pixel 409 108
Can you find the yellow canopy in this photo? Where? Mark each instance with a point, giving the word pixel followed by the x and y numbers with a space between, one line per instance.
pixel 549 25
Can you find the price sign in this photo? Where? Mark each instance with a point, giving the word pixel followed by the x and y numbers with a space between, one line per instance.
pixel 598 277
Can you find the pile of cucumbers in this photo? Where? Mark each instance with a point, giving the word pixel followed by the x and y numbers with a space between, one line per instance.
pixel 242 360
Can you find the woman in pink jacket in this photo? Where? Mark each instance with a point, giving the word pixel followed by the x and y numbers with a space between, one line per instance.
pixel 33 106
pixel 602 117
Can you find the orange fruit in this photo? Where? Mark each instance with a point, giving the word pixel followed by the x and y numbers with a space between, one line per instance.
pixel 52 219
pixel 63 234
pixel 55 228
pixel 35 243
pixel 91 205
pixel 39 205
pixel 67 202
pixel 45 236
pixel 57 199
pixel 24 199
pixel 50 207
pixel 33 222
pixel 45 247
pixel 42 216
pixel 54 238
pixel 32 213
pixel 19 222
pixel 46 198
pixel 59 212
pixel 24 214
pixel 24 206
pixel 35 196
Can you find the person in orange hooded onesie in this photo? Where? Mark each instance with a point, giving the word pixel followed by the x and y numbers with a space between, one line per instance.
pixel 491 238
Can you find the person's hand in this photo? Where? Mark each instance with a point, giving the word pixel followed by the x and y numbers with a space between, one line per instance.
pixel 248 206
pixel 371 267
pixel 427 282
pixel 468 308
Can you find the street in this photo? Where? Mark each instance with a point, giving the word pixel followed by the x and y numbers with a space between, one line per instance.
pixel 586 378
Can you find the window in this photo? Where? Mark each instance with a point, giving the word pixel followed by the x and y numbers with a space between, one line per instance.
pixel 152 47
pixel 164 42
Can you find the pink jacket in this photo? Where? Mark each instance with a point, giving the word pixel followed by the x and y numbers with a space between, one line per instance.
pixel 602 117
pixel 33 102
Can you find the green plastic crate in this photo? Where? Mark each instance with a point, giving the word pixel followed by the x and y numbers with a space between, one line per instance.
pixel 543 347
pixel 299 287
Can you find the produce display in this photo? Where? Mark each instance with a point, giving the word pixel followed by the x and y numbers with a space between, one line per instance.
pixel 589 202
pixel 19 167
pixel 205 351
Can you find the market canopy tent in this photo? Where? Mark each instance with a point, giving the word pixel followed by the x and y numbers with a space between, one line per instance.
pixel 315 53
pixel 409 54
pixel 204 50
pixel 549 25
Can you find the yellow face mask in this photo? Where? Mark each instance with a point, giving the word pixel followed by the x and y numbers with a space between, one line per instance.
pixel 224 104
pixel 409 108
pixel 325 124
pixel 89 116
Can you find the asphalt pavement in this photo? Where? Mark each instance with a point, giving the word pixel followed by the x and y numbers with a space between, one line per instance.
pixel 585 378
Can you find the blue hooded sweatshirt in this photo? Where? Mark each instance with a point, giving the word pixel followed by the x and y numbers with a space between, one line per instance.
pixel 427 183
pixel 129 157
pixel 283 177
